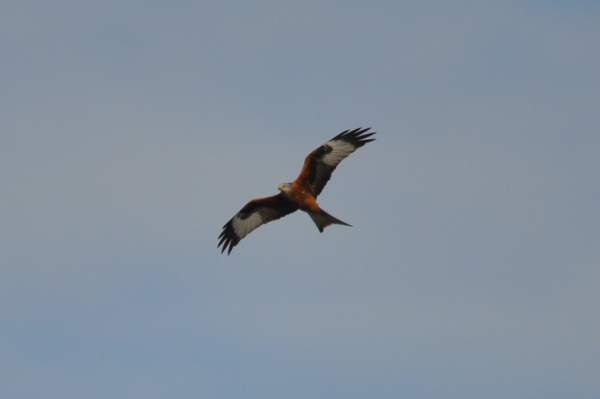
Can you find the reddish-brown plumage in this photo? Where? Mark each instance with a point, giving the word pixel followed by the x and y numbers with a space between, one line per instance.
pixel 302 194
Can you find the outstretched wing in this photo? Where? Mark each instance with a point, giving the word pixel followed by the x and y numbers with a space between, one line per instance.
pixel 320 164
pixel 254 214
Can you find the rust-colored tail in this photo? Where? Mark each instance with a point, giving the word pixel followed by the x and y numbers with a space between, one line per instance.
pixel 322 219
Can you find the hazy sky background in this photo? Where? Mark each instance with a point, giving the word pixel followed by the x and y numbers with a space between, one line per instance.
pixel 131 131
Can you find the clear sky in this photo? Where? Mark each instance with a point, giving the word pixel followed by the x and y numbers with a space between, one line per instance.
pixel 131 131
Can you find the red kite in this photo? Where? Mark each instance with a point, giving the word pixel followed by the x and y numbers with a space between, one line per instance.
pixel 300 194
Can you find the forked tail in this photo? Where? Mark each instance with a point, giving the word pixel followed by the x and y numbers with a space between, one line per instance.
pixel 322 219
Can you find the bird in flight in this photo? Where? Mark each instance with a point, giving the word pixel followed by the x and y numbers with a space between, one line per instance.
pixel 299 194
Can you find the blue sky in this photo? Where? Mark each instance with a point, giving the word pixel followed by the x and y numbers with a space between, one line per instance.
pixel 132 131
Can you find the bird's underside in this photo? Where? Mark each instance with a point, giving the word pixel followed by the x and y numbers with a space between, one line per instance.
pixel 299 194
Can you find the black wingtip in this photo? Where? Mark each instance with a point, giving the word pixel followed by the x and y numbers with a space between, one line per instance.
pixel 228 239
pixel 358 137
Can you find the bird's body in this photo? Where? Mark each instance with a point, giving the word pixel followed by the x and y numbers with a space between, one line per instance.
pixel 307 202
pixel 300 194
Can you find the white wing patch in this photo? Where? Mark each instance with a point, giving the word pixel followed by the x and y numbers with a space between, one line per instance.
pixel 340 150
pixel 243 227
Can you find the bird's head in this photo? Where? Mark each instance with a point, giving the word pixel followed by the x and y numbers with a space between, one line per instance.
pixel 285 187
